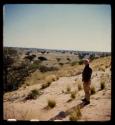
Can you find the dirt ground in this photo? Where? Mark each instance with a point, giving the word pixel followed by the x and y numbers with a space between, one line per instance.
pixel 98 110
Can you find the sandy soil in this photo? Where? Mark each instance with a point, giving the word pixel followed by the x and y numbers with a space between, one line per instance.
pixel 98 110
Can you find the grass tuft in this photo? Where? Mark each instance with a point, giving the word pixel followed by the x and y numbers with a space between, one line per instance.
pixel 102 84
pixel 79 87
pixel 73 94
pixel 33 94
pixel 76 115
pixel 93 91
pixel 51 103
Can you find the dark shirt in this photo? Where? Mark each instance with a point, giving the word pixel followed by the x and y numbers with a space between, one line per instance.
pixel 86 74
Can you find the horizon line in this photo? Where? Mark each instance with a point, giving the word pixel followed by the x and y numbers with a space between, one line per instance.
pixel 57 49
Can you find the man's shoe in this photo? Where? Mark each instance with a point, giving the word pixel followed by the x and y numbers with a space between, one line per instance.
pixel 87 102
pixel 84 100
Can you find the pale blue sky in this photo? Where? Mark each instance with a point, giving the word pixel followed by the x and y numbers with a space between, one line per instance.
pixel 58 26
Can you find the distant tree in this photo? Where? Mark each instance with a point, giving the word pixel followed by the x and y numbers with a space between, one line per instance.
pixel 68 59
pixel 30 57
pixel 92 57
pixel 81 56
pixel 41 58
pixel 58 59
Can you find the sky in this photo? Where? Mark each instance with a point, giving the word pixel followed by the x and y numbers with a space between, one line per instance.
pixel 83 27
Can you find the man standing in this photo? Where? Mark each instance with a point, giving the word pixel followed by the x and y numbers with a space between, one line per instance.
pixel 86 78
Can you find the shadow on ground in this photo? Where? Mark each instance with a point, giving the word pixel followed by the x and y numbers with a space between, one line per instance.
pixel 63 114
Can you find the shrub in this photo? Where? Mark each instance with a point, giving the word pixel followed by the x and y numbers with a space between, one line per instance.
pixel 51 78
pixel 43 68
pixel 51 103
pixel 61 64
pixel 102 85
pixel 33 94
pixel 33 66
pixel 76 115
pixel 102 69
pixel 58 59
pixel 93 91
pixel 45 85
pixel 79 87
pixel 41 58
pixel 62 91
pixel 68 59
pixel 30 57
pixel 73 63
pixel 80 62
pixel 73 94
pixel 68 89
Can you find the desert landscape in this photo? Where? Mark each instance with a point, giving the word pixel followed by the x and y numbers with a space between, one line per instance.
pixel 47 85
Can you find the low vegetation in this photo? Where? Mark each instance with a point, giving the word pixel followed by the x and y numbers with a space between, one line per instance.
pixel 73 95
pixel 45 85
pixel 79 87
pixel 68 89
pixel 51 103
pixel 73 63
pixel 76 114
pixel 102 84
pixel 93 91
pixel 33 94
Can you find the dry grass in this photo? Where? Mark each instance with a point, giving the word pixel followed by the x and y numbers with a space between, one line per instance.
pixel 93 91
pixel 76 115
pixel 10 112
pixel 51 78
pixel 101 68
pixel 100 63
pixel 33 94
pixel 79 87
pixel 68 89
pixel 51 103
pixel 102 85
pixel 73 94
pixel 45 85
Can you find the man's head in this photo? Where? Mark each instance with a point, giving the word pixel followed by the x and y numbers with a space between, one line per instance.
pixel 86 61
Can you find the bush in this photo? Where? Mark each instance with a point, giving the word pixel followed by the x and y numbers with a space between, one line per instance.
pixel 32 95
pixel 43 68
pixel 102 85
pixel 45 85
pixel 76 115
pixel 68 89
pixel 51 78
pixel 80 62
pixel 61 64
pixel 73 63
pixel 73 94
pixel 93 91
pixel 34 66
pixel 51 103
pixel 30 57
pixel 79 87
pixel 58 59
pixel 41 58
pixel 68 59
